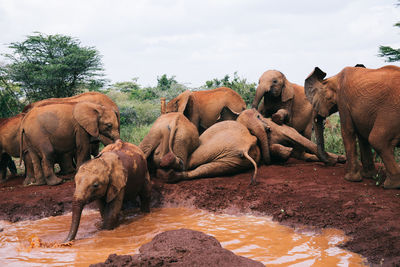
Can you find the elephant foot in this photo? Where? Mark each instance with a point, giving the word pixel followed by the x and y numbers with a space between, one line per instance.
pixel 392 182
pixel 167 160
pixel 29 181
pixel 277 119
pixel 341 159
pixel 169 176
pixel 3 181
pixel 53 180
pixel 369 174
pixel 171 161
pixel 353 177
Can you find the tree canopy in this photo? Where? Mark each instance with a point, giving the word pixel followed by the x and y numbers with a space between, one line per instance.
pixel 391 54
pixel 47 66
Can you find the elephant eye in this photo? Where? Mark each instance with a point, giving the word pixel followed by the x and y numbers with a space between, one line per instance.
pixel 275 81
pixel 109 125
pixel 95 185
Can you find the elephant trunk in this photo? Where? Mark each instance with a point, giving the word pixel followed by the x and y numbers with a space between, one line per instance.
pixel 257 98
pixel 77 207
pixel 262 137
pixel 264 143
pixel 319 134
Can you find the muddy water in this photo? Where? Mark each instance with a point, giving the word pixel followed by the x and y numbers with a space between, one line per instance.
pixel 257 238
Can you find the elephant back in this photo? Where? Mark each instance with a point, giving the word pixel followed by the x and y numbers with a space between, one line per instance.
pixel 134 162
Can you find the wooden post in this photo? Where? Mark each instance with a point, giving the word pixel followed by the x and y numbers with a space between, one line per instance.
pixel 163 105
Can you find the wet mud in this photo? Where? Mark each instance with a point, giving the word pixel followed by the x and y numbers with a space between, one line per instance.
pixel 298 194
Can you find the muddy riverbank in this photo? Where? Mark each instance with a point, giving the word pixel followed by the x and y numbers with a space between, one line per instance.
pixel 296 194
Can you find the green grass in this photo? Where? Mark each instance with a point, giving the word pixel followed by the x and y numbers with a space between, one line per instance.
pixel 134 134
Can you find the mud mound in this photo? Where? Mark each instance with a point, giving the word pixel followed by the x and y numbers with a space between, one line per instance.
pixel 181 248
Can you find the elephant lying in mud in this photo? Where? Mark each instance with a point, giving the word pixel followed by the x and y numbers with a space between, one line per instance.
pixel 203 108
pixel 230 146
pixel 170 141
pixel 368 104
pixel 118 174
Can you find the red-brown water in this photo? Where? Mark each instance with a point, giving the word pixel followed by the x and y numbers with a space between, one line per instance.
pixel 254 237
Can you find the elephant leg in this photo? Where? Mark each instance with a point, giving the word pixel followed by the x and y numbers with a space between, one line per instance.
pixel 145 194
pixel 48 160
pixel 280 152
pixel 29 171
pixel 211 169
pixel 280 117
pixel 4 158
pixel 111 211
pixel 384 143
pixel 349 140
pixel 368 166
pixel 66 163
pixel 39 178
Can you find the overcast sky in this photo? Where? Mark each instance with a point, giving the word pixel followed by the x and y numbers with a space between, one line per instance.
pixel 197 40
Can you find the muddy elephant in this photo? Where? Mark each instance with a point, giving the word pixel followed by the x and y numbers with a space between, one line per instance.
pixel 118 174
pixel 93 97
pixel 368 104
pixel 203 108
pixel 170 141
pixel 64 128
pixel 10 147
pixel 284 102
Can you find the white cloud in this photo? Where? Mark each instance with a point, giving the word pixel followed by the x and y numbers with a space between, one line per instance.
pixel 201 40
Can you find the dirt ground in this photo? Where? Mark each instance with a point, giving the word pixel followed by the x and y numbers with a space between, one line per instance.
pixel 296 193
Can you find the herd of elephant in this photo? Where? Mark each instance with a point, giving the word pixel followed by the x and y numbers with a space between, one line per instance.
pixel 204 134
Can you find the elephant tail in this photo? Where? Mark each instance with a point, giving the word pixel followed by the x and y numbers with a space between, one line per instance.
pixel 170 159
pixel 173 129
pixel 253 178
pixel 21 146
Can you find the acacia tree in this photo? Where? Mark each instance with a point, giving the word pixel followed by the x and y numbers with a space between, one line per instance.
pixel 47 66
pixel 391 54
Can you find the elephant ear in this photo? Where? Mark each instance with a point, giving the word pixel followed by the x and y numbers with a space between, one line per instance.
pixel 227 114
pixel 287 91
pixel 118 175
pixel 87 115
pixel 317 92
pixel 185 102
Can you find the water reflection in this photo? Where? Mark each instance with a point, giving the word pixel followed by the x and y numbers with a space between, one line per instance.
pixel 254 237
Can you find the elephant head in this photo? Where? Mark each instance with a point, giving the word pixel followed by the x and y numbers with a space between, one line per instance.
pixel 322 94
pixel 255 123
pixel 97 120
pixel 101 178
pixel 183 103
pixel 273 83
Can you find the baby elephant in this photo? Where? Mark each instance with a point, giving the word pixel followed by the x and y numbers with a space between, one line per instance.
pixel 118 174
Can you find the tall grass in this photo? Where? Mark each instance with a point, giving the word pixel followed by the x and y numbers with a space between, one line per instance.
pixel 134 134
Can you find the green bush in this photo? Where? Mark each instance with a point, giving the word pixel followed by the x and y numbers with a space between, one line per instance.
pixel 134 134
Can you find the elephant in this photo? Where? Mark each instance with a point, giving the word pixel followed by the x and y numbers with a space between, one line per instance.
pixel 171 139
pixel 93 97
pixel 284 101
pixel 64 128
pixel 368 104
pixel 118 174
pixel 10 147
pixel 284 141
pixel 203 108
